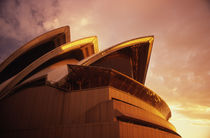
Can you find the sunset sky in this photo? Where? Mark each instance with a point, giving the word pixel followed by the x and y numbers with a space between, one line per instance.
pixel 179 69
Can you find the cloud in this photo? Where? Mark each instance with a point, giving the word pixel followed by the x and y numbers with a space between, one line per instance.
pixel 194 112
pixel 22 20
pixel 190 119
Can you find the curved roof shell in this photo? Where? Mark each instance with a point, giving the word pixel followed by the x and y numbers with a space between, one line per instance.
pixel 82 47
pixel 129 57
pixel 33 50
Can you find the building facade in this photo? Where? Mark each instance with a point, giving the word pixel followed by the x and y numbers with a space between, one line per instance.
pixel 55 87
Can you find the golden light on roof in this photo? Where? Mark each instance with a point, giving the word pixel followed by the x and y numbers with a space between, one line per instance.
pixel 92 40
pixel 128 43
pixel 149 39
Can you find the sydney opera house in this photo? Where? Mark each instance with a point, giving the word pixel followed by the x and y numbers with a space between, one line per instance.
pixel 55 87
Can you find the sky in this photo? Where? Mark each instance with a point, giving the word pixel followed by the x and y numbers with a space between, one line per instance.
pixel 179 69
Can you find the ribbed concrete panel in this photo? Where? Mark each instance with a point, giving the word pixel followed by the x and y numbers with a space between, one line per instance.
pixel 128 130
pixel 102 112
pixel 147 118
pixel 78 102
pixel 94 130
pixel 31 108
pixel 126 97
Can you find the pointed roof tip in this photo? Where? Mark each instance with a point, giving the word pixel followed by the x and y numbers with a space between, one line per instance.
pixel 64 27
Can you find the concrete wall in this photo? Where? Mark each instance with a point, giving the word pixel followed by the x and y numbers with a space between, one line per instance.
pixel 48 112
